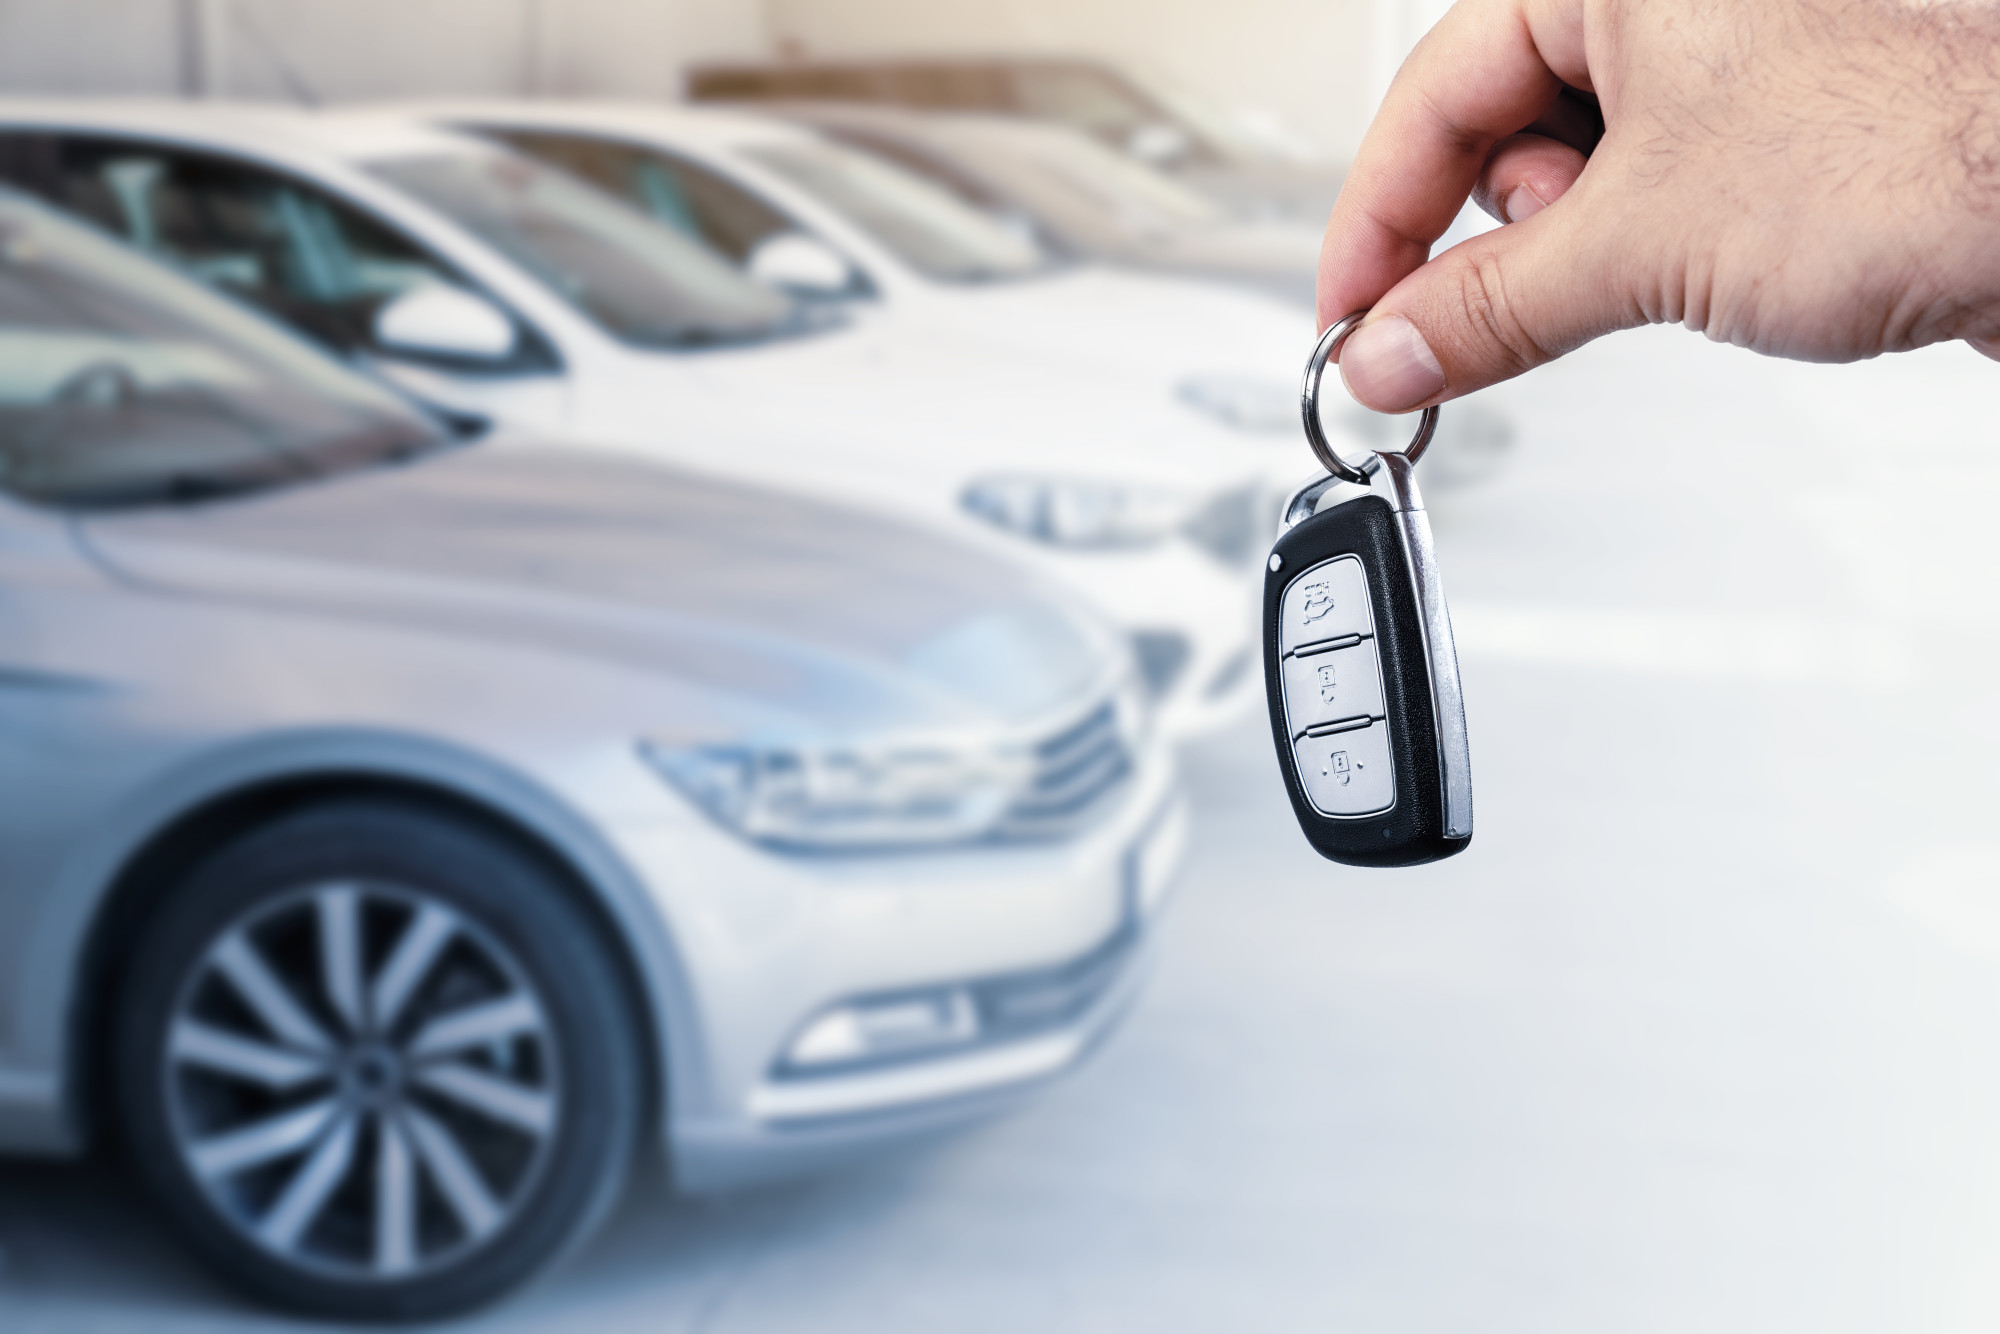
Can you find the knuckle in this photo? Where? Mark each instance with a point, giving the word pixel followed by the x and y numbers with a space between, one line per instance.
pixel 1492 321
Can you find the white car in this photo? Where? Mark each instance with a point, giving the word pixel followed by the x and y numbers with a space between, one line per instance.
pixel 1078 196
pixel 815 216
pixel 400 830
pixel 819 217
pixel 486 282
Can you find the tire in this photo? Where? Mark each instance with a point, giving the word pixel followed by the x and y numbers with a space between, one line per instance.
pixel 376 1062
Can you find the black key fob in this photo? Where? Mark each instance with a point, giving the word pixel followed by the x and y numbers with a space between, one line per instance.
pixel 1359 664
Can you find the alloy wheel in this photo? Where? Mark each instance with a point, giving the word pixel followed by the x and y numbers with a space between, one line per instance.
pixel 362 1081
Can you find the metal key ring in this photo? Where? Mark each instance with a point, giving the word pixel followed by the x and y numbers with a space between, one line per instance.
pixel 1327 350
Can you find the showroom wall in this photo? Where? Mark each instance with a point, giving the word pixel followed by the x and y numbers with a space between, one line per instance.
pixel 1316 65
pixel 335 49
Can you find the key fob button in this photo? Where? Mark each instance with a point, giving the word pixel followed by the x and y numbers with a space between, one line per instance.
pixel 1329 601
pixel 1331 685
pixel 1348 773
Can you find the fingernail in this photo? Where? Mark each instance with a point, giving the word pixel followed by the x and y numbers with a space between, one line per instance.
pixel 1388 366
pixel 1522 203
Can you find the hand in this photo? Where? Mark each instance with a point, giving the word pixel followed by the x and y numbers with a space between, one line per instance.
pixel 1817 179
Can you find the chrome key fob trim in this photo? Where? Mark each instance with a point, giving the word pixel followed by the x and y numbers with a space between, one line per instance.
pixel 1362 676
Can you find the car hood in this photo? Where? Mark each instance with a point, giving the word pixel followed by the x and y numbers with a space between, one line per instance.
pixel 1168 324
pixel 780 613
pixel 1302 193
pixel 1187 341
pixel 891 416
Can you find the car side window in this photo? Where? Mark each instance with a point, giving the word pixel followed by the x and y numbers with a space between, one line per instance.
pixel 682 194
pixel 314 261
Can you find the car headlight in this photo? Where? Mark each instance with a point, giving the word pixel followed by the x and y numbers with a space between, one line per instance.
pixel 1074 513
pixel 806 798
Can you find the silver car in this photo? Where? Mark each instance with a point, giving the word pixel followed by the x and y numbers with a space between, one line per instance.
pixel 398 827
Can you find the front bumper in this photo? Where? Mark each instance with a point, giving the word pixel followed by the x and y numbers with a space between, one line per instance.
pixel 1050 939
pixel 801 1126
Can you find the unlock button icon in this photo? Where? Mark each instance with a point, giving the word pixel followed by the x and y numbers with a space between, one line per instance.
pixel 1332 685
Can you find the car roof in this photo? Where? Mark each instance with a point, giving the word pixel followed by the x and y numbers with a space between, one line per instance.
pixel 727 80
pixel 918 60
pixel 249 126
pixel 936 127
pixel 968 145
pixel 689 125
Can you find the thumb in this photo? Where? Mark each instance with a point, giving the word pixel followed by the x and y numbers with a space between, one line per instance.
pixel 1487 310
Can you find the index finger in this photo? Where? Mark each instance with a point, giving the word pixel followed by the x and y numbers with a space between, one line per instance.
pixel 1488 69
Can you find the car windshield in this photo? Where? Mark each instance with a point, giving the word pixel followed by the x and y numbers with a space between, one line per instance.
pixel 1245 138
pixel 642 282
pixel 1087 98
pixel 122 383
pixel 1066 171
pixel 927 227
pixel 1118 108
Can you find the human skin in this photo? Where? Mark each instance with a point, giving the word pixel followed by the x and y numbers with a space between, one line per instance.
pixel 1815 179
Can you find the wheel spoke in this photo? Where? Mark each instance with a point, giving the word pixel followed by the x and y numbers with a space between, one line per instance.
pixel 306 1193
pixel 340 952
pixel 475 1025
pixel 423 939
pixel 261 1142
pixel 457 1178
pixel 238 960
pixel 196 1043
pixel 395 1199
pixel 498 1099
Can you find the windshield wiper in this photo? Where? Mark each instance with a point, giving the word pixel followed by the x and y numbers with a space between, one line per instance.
pixel 180 488
pixel 804 319
pixel 190 487
pixel 692 336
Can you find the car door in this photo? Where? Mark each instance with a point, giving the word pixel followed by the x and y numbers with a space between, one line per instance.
pixel 320 263
pixel 54 703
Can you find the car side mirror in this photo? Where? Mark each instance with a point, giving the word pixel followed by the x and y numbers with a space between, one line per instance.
pixel 1161 145
pixel 444 321
pixel 800 264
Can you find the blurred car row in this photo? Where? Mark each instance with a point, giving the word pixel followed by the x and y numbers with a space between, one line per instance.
pixel 530 628
pixel 1252 164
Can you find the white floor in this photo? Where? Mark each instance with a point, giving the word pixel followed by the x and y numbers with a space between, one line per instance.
pixel 1702 1034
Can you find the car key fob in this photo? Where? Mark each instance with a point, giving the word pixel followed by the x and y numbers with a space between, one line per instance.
pixel 1359 664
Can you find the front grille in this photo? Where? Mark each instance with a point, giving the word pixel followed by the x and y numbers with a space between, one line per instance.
pixel 1162 655
pixel 1232 671
pixel 1233 528
pixel 1076 771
